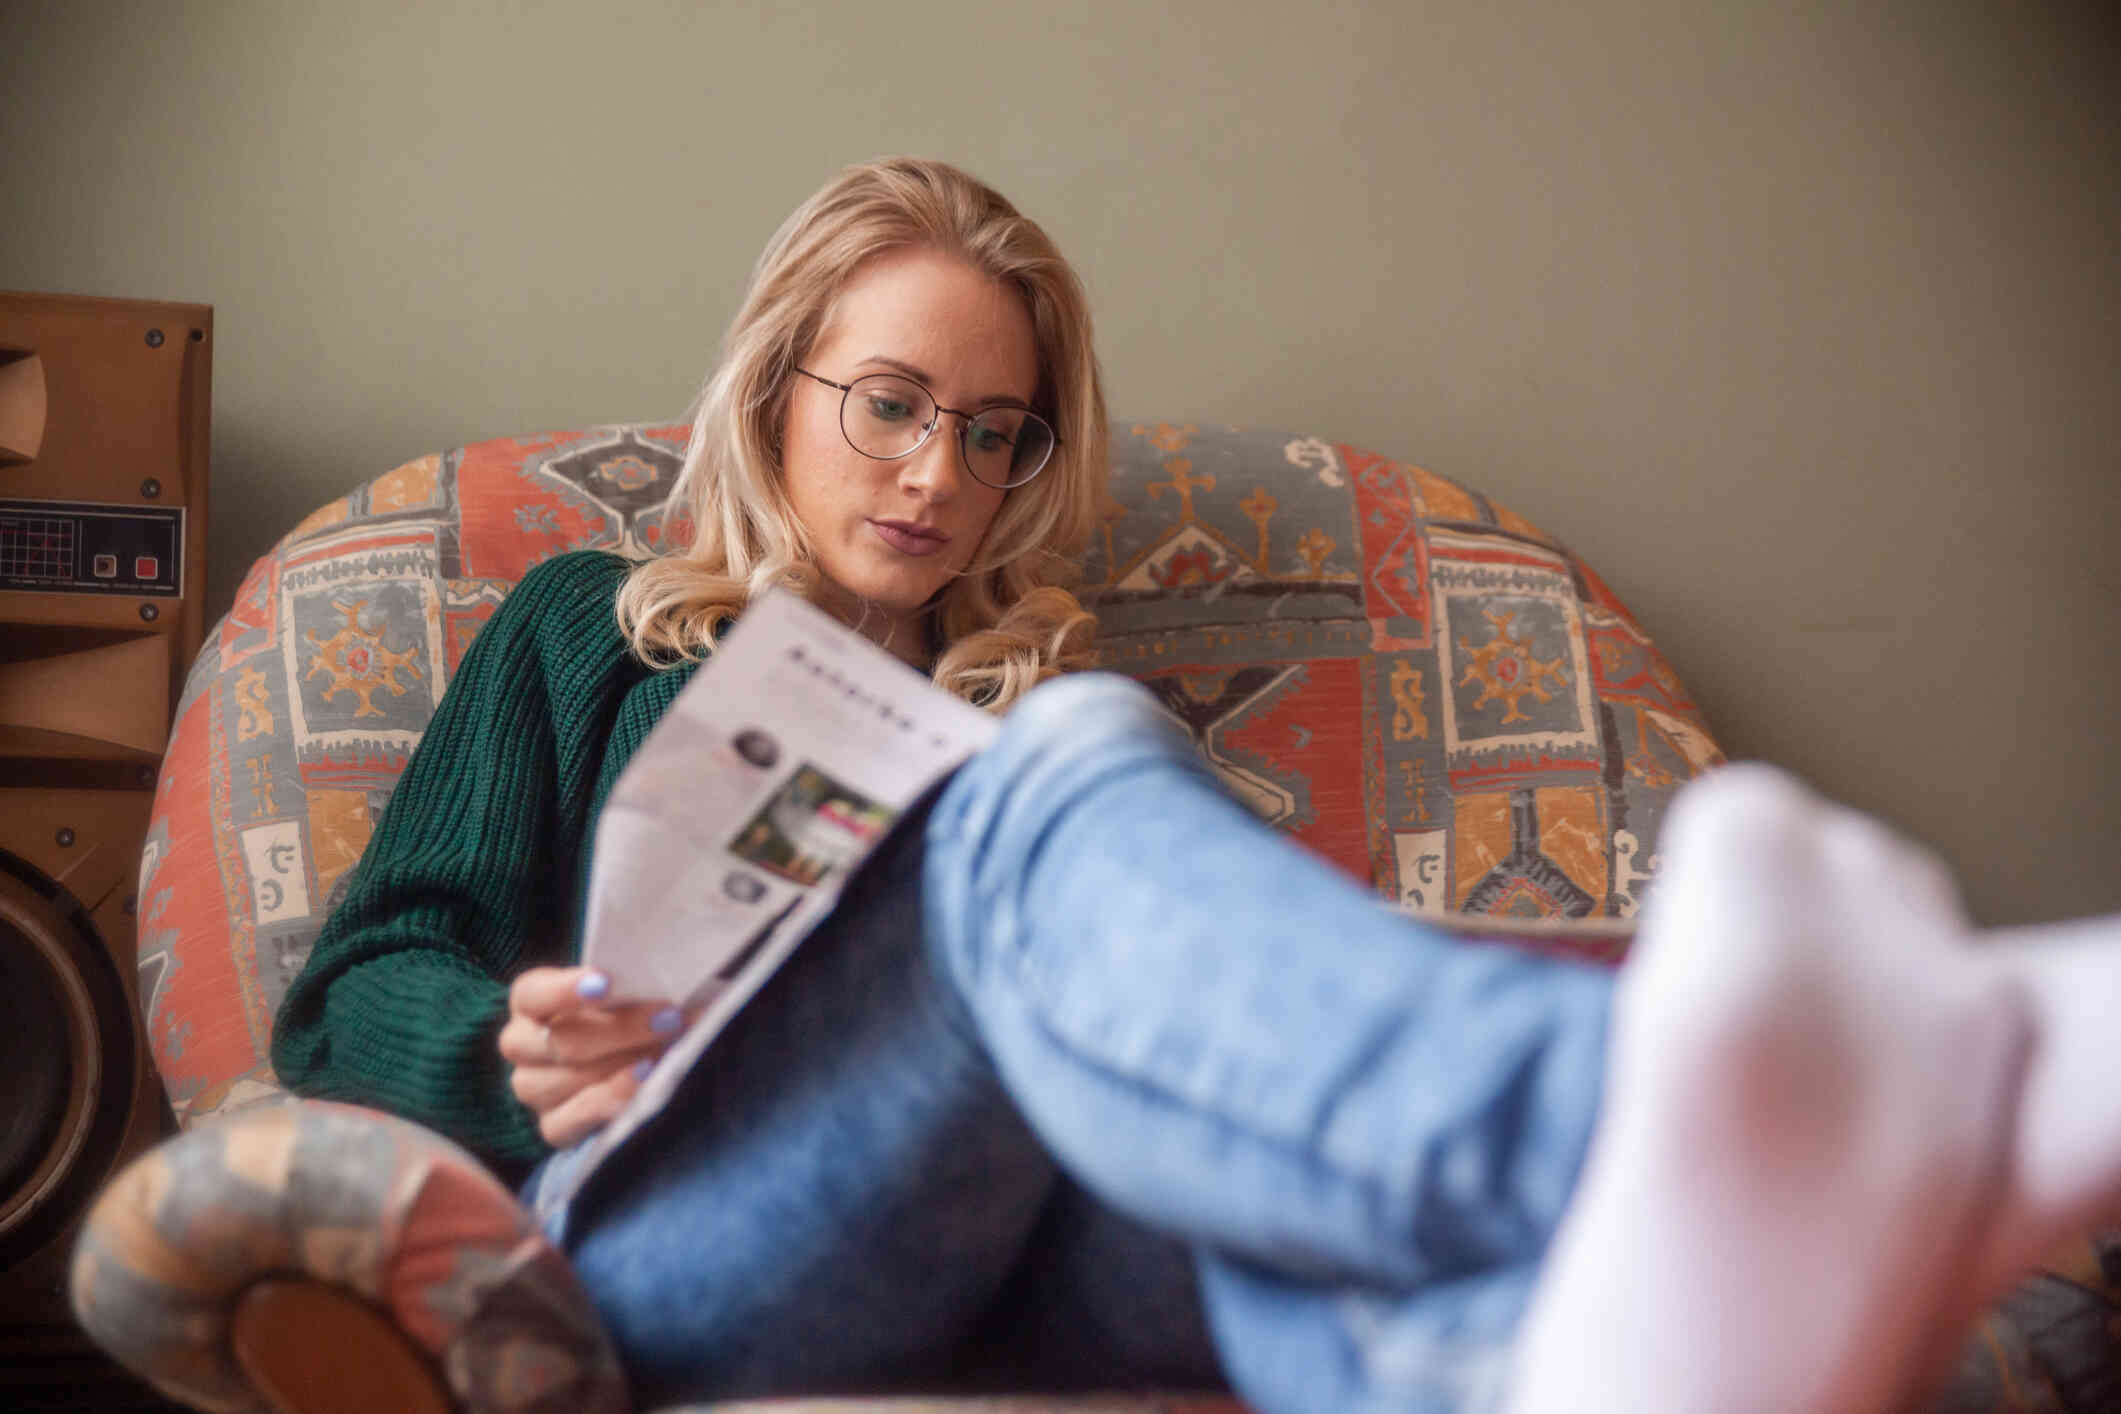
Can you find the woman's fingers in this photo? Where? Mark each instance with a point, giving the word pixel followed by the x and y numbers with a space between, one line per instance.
pixel 546 1087
pixel 576 1058
pixel 592 1107
pixel 537 1000
pixel 589 1035
pixel 542 993
pixel 550 1022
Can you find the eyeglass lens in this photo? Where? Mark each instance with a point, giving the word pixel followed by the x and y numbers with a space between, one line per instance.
pixel 886 416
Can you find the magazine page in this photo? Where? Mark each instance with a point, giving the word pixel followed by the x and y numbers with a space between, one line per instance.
pixel 776 771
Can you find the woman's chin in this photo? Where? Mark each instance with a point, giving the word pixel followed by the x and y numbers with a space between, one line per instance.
pixel 896 598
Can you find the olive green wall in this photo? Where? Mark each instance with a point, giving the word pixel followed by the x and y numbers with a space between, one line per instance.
pixel 1802 324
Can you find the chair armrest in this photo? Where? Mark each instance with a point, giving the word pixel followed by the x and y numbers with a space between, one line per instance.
pixel 167 1271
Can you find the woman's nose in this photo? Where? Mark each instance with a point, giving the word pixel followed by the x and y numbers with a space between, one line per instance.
pixel 933 467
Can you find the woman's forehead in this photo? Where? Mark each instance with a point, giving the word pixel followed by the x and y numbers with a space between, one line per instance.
pixel 934 313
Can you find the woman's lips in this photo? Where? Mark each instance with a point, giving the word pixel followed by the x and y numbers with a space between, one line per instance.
pixel 909 539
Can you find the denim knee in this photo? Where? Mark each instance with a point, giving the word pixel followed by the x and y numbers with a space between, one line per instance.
pixel 1056 744
pixel 1081 711
pixel 1059 735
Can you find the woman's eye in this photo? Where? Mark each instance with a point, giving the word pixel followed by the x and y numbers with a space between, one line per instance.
pixel 889 409
pixel 988 439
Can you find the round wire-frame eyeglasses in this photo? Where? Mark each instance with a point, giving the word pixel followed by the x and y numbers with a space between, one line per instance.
pixel 1028 444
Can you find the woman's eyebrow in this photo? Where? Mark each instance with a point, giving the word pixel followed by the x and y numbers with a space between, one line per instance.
pixel 926 379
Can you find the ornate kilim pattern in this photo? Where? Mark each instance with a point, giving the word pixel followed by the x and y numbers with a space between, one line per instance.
pixel 306 702
pixel 1420 685
pixel 1410 680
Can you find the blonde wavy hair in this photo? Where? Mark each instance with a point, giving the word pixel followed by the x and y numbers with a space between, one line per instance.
pixel 1008 621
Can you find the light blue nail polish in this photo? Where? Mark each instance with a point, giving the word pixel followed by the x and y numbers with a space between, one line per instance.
pixel 641 1070
pixel 592 986
pixel 666 1021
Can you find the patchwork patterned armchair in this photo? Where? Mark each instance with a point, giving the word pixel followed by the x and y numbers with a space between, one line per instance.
pixel 1411 680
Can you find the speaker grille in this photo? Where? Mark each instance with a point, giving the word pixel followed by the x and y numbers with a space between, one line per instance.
pixel 82 1066
pixel 33 1057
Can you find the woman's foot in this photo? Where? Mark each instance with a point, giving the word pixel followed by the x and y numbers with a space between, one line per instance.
pixel 1832 1130
pixel 2066 1154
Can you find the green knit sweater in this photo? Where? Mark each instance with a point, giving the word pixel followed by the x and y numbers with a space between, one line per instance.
pixel 477 867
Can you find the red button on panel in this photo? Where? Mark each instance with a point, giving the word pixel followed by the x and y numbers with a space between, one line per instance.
pixel 146 567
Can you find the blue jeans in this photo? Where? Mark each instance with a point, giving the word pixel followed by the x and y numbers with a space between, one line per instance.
pixel 1092 1079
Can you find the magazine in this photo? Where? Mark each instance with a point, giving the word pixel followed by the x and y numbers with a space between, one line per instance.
pixel 779 767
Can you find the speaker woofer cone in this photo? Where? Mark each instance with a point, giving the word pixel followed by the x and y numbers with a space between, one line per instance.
pixel 69 1030
pixel 33 1057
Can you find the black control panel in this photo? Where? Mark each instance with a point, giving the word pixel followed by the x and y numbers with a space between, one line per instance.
pixel 80 547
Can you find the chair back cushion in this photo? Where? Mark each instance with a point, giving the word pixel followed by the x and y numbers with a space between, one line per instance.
pixel 1408 678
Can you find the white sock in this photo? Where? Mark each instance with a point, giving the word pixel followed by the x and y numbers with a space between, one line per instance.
pixel 2065 1175
pixel 1808 1169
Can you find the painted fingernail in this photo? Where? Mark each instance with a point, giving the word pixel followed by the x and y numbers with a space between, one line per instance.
pixel 592 986
pixel 666 1021
pixel 641 1070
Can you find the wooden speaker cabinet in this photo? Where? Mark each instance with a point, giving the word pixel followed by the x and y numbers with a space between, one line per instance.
pixel 104 410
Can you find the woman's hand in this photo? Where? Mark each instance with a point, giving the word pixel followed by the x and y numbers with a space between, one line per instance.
pixel 577 1058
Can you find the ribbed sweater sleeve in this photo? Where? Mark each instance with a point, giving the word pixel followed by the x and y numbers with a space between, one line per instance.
pixel 470 874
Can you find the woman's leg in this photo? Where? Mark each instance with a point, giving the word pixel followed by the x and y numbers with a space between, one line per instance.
pixel 843 1196
pixel 1097 1302
pixel 1369 1129
pixel 836 1191
pixel 1255 1052
pixel 1227 1037
pixel 1835 1128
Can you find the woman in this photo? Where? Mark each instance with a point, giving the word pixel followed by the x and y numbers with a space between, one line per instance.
pixel 1090 1079
pixel 876 540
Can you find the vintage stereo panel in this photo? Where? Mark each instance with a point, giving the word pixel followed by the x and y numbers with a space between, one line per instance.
pixel 105 408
